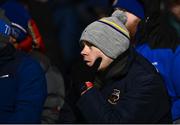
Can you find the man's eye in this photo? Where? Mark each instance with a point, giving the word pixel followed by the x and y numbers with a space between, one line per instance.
pixel 86 43
pixel 89 44
pixel 82 46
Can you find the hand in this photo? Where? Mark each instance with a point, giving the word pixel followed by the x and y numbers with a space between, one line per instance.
pixel 82 73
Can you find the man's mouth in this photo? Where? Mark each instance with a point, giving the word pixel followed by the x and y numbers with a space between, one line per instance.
pixel 87 62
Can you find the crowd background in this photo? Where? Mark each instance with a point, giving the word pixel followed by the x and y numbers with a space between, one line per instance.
pixel 60 24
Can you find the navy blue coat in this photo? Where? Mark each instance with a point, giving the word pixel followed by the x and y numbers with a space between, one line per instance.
pixel 22 90
pixel 134 94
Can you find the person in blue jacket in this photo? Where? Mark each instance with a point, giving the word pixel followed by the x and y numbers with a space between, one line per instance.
pixel 23 84
pixel 28 34
pixel 156 40
pixel 116 84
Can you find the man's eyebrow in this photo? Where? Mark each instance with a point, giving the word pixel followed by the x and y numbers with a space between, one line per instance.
pixel 87 43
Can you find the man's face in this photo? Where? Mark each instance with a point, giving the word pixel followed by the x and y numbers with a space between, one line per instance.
pixel 13 41
pixel 90 53
pixel 176 10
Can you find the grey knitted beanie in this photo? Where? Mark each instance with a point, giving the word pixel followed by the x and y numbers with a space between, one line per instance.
pixel 108 34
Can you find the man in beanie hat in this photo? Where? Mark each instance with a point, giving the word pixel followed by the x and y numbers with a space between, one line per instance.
pixel 23 83
pixel 118 85
pixel 157 39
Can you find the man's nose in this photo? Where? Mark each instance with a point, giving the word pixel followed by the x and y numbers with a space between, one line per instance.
pixel 84 50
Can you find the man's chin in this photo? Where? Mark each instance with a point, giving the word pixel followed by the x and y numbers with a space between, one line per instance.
pixel 88 64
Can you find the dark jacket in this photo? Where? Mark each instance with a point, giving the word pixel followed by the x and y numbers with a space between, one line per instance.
pixel 133 94
pixel 23 88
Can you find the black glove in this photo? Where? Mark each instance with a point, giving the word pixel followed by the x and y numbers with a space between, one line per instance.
pixel 82 73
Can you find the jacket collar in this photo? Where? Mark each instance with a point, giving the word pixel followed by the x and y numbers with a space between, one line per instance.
pixel 118 68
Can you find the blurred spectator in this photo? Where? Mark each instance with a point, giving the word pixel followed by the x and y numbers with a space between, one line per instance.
pixel 173 15
pixel 173 7
pixel 158 42
pixel 55 88
pixel 28 34
pixel 23 84
pixel 24 41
